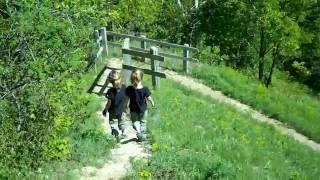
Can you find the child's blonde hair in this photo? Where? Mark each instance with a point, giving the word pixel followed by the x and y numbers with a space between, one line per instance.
pixel 113 76
pixel 136 76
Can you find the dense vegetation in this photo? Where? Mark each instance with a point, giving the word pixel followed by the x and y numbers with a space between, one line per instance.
pixel 45 46
pixel 193 137
pixel 258 35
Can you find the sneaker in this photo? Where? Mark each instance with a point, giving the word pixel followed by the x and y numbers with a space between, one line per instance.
pixel 141 137
pixel 115 133
pixel 118 139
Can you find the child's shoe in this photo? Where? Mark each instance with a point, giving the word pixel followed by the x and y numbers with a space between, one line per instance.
pixel 141 137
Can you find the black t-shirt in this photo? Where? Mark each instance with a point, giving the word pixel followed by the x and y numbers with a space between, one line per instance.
pixel 117 100
pixel 138 98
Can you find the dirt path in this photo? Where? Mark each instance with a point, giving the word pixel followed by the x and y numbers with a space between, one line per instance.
pixel 195 85
pixel 119 164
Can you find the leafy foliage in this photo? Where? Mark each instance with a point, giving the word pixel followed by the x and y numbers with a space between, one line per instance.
pixel 44 46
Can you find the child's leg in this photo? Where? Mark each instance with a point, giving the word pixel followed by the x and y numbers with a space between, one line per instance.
pixel 143 122
pixel 135 121
pixel 113 121
pixel 123 123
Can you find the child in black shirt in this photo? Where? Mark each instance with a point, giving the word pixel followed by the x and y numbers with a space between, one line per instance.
pixel 115 104
pixel 138 95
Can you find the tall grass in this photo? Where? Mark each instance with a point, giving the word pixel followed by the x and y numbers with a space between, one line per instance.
pixel 194 137
pixel 287 101
pixel 90 144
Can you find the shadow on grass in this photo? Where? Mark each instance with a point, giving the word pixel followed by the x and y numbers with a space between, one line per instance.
pixel 95 84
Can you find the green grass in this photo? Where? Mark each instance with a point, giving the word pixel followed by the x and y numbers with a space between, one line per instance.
pixel 194 137
pixel 90 145
pixel 287 101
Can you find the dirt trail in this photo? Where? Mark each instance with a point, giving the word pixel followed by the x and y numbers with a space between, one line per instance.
pixel 119 164
pixel 195 85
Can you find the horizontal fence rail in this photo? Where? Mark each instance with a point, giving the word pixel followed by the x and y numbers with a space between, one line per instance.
pixel 160 43
pixel 101 48
pixel 185 56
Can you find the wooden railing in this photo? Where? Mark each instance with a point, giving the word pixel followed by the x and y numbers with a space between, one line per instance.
pixel 185 56
pixel 101 47
pixel 154 70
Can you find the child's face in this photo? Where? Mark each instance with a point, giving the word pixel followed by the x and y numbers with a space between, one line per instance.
pixel 116 83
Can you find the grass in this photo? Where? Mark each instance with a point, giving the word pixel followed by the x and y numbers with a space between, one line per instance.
pixel 194 137
pixel 289 102
pixel 90 146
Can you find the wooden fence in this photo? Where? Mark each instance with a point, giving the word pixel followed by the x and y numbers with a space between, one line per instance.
pixel 101 50
pixel 100 45
pixel 154 70
pixel 185 57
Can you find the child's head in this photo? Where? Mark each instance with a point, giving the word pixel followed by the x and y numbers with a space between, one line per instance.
pixel 136 77
pixel 115 79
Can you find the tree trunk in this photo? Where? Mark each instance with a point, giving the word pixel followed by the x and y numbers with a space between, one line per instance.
pixel 275 53
pixel 262 53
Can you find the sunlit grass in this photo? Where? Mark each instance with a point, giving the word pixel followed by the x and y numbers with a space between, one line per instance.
pixel 194 137
pixel 287 101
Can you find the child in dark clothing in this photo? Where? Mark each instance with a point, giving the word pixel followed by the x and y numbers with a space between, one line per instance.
pixel 138 95
pixel 115 104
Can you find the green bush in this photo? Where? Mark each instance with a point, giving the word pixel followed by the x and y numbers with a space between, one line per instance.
pixel 44 48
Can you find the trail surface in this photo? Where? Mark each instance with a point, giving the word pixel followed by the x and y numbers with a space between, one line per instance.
pixel 120 162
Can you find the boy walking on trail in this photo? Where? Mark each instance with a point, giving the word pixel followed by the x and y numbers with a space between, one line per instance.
pixel 137 95
pixel 115 105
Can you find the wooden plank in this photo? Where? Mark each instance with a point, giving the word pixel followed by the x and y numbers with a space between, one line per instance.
pixel 142 54
pixel 99 39
pixel 126 60
pixel 185 63
pixel 155 66
pixel 169 55
pixel 160 53
pixel 114 44
pixel 99 52
pixel 146 71
pixel 104 42
pixel 143 45
pixel 152 41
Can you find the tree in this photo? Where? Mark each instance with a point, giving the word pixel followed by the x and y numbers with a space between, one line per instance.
pixel 228 25
pixel 44 45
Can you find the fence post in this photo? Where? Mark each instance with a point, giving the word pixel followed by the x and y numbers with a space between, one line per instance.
pixel 155 66
pixel 96 36
pixel 104 42
pixel 143 46
pixel 127 61
pixel 185 62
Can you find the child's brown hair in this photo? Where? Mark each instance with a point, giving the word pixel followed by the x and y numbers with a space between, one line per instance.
pixel 113 76
pixel 136 76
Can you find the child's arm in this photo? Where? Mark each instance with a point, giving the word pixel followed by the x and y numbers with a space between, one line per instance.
pixel 104 112
pixel 150 100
